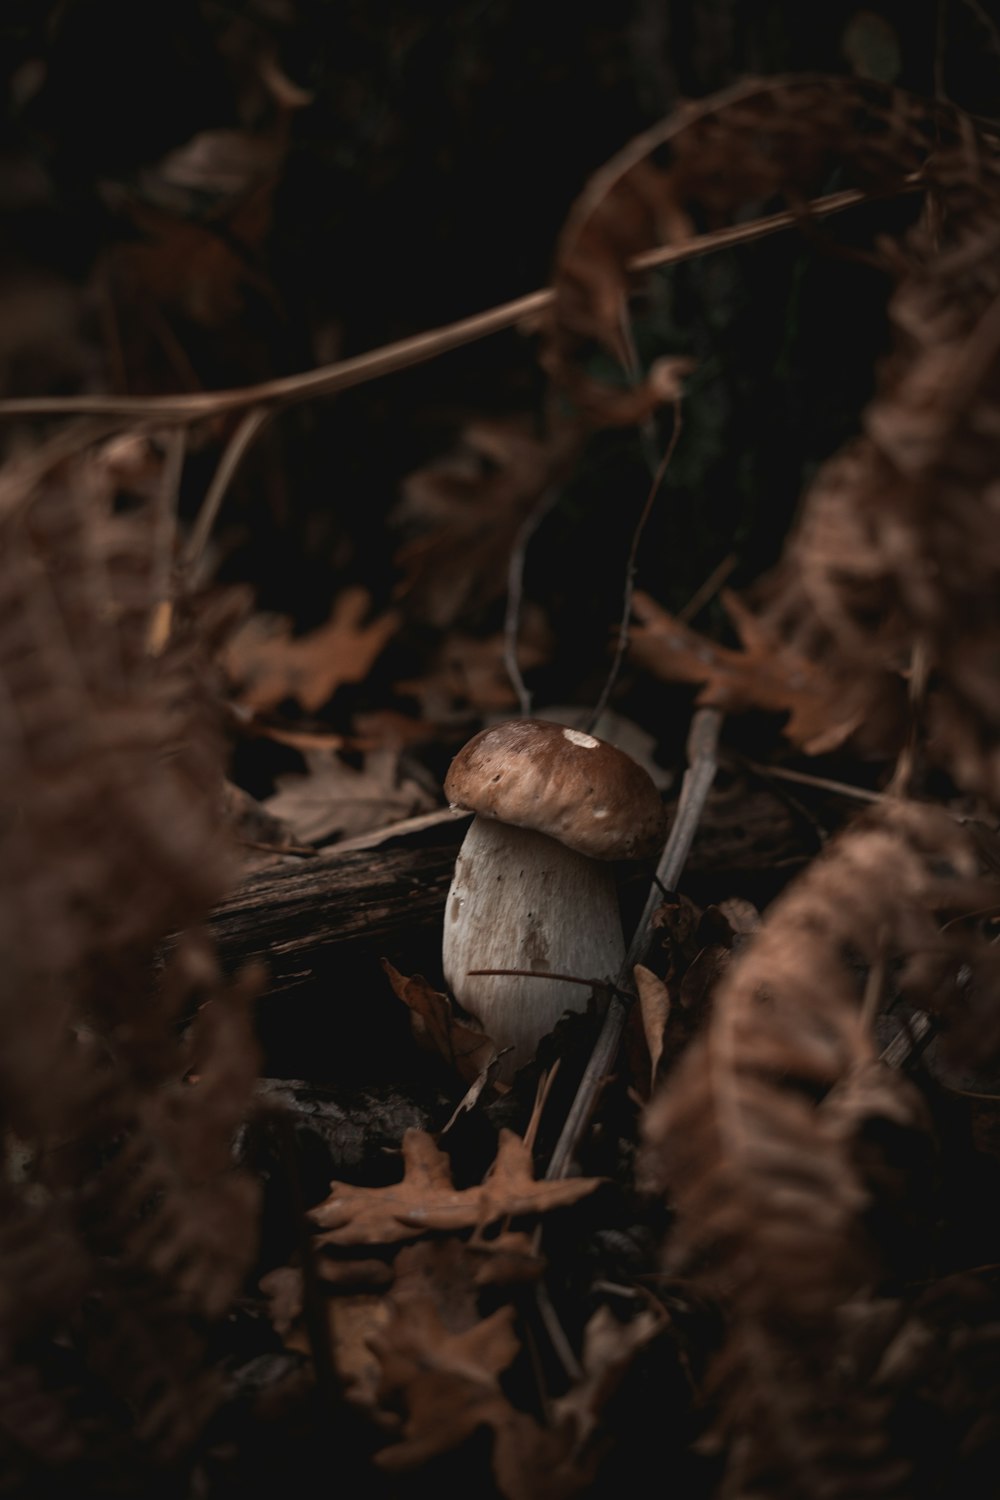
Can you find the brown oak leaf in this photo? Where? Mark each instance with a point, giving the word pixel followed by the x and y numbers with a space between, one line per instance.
pixel 654 1008
pixel 609 1347
pixel 448 1379
pixel 470 672
pixel 268 664
pixel 334 799
pixel 463 513
pixel 766 674
pixel 469 1051
pixel 441 1364
pixel 427 1198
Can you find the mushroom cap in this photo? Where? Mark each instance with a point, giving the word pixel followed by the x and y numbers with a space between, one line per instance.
pixel 575 788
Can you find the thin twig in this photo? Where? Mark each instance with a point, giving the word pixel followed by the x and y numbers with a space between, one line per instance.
pixel 821 783
pixel 235 451
pixel 916 689
pixel 542 1093
pixel 591 984
pixel 707 590
pixel 391 358
pixel 621 645
pixel 300 851
pixel 915 1033
pixel 703 750
pixel 515 594
pixel 633 369
pixel 557 1335
pixel 988 24
pixel 167 499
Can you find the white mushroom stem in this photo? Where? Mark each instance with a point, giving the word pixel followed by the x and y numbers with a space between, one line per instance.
pixel 521 900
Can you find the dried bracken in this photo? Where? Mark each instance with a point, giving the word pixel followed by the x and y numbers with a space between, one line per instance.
pixel 125 1221
pixel 789 1312
pixel 754 1136
pixel 462 516
pixel 894 566
pixel 760 144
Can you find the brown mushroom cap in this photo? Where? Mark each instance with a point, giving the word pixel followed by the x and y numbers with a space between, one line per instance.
pixel 575 788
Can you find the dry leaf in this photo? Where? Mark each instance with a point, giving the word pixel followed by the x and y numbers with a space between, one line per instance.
pixel 442 1364
pixel 509 1257
pixel 449 1380
pixel 707 165
pixel 654 1006
pixel 469 673
pixel 427 1199
pixel 468 1050
pixel 268 665
pixel 334 799
pixel 767 674
pixel 297 739
pixel 467 509
pixel 387 726
pixel 377 1216
pixel 225 164
pixel 190 270
pixel 608 1349
pixel 42 326
pixel 283 1289
pixel 352 1322
pixel 508 1191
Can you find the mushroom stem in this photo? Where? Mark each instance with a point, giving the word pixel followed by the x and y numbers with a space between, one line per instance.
pixel 522 900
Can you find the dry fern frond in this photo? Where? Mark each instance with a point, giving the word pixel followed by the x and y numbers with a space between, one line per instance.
pixel 771 143
pixel 461 516
pixel 897 557
pixel 753 1138
pixel 127 1224
pixel 895 563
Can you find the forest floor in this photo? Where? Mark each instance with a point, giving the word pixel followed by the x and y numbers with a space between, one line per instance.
pixel 720 491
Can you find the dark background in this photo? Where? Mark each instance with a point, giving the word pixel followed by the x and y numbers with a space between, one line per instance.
pixel 426 180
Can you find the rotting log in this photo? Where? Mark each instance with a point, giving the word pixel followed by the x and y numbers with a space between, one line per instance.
pixel 290 913
pixel 387 889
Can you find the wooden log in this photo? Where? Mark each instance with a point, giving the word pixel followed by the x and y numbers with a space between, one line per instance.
pixel 363 892
pixel 384 893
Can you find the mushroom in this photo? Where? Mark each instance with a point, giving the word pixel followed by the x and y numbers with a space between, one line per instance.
pixel 533 888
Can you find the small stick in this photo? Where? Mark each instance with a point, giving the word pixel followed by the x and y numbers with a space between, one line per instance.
pixel 236 450
pixel 564 444
pixel 920 663
pixel 821 783
pixel 515 591
pixel 703 749
pixel 633 369
pixel 707 590
pixel 557 1334
pixel 302 851
pixel 159 620
pixel 591 984
pixel 621 645
pixel 390 358
pixel 542 1093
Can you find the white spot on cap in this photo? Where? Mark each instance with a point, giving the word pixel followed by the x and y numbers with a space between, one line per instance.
pixel 585 741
